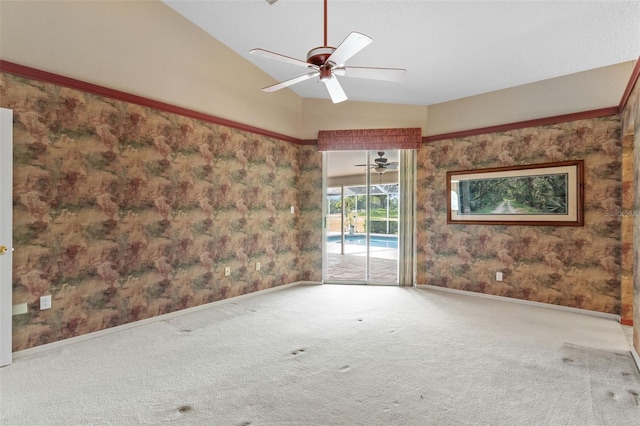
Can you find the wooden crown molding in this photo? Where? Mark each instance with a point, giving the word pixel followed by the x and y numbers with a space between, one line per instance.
pixel 72 83
pixel 24 71
pixel 630 85
pixel 595 113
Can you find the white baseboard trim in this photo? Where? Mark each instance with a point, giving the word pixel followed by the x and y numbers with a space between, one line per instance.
pixel 613 317
pixel 164 317
pixel 636 357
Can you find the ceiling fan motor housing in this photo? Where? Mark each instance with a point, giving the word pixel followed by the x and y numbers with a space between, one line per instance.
pixel 319 55
pixel 381 160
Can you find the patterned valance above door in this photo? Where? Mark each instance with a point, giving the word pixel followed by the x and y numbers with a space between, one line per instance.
pixel 366 139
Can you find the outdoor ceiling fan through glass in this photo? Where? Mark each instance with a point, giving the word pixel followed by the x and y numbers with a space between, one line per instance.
pixel 381 165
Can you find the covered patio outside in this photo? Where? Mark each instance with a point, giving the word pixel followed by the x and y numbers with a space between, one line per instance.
pixel 347 232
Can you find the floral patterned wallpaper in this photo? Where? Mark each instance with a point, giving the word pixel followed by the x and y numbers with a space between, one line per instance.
pixel 631 128
pixel 123 212
pixel 626 228
pixel 571 266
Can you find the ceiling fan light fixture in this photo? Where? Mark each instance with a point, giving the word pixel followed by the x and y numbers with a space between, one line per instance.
pixel 325 73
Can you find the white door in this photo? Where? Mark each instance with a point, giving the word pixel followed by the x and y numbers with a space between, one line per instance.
pixel 6 238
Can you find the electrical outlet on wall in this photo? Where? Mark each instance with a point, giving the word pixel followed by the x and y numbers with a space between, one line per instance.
pixel 498 276
pixel 257 266
pixel 45 302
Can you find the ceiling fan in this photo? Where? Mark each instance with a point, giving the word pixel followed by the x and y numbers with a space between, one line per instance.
pixel 381 164
pixel 328 62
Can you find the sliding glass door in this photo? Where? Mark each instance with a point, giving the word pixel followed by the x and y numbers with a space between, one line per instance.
pixel 361 217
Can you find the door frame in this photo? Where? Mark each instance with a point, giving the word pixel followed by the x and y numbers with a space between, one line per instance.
pixel 6 239
pixel 325 216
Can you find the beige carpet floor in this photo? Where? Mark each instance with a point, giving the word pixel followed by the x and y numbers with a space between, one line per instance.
pixel 337 355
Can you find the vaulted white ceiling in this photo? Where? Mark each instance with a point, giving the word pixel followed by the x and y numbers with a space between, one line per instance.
pixel 451 49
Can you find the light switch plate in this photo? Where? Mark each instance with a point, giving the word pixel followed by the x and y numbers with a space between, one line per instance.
pixel 498 276
pixel 227 271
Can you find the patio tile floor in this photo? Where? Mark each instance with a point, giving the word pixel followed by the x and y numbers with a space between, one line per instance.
pixel 351 267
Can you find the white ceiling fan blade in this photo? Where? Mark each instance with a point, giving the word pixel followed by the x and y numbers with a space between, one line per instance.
pixel 282 58
pixel 335 90
pixel 290 82
pixel 351 45
pixel 387 74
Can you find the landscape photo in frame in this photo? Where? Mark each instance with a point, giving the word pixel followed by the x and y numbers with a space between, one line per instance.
pixel 539 194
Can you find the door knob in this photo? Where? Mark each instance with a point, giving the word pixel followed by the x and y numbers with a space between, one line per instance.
pixel 3 250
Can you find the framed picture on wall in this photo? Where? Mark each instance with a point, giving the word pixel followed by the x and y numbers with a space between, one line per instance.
pixel 548 194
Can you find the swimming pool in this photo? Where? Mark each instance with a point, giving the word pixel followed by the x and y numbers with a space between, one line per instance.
pixel 386 241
